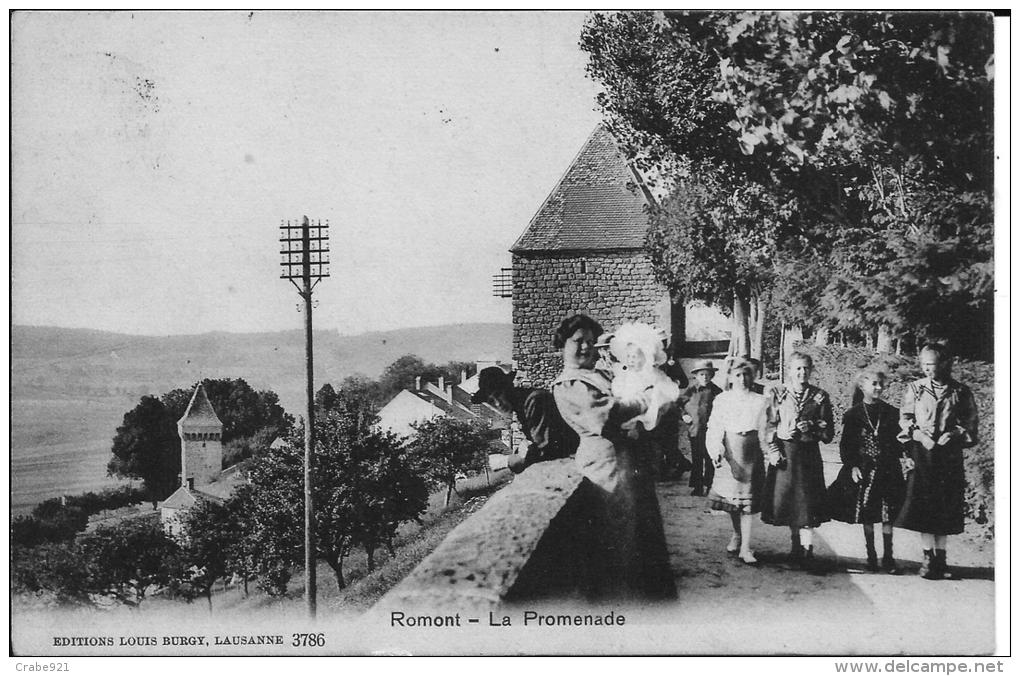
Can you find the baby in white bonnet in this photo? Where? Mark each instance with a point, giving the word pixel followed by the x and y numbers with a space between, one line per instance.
pixel 638 350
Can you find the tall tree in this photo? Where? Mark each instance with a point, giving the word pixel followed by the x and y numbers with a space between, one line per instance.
pixel 447 447
pixel 865 119
pixel 146 447
pixel 716 242
pixel 212 531
pixel 125 562
pixel 365 485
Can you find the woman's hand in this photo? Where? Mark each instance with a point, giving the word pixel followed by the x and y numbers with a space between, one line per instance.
pixel 717 461
pixel 687 419
pixel 804 426
pixel 856 474
pixel 923 439
pixel 906 464
pixel 946 437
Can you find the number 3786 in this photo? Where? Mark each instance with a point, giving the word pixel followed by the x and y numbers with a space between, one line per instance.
pixel 308 640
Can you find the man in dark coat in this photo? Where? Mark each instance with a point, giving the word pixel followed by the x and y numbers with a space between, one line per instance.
pixel 697 402
pixel 549 437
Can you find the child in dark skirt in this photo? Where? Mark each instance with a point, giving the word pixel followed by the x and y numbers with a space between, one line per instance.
pixel 869 488
pixel 794 494
pixel 938 420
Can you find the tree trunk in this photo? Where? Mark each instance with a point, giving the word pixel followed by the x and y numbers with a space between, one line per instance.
pixel 338 571
pixel 758 328
pixel 741 326
pixel 370 555
pixel 899 345
pixel 487 481
pixel 449 492
pixel 208 597
pixel 884 342
pixel 821 336
pixel 783 352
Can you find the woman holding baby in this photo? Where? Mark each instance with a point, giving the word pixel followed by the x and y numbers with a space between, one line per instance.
pixel 626 550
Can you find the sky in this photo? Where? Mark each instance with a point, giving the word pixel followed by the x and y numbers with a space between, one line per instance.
pixel 154 156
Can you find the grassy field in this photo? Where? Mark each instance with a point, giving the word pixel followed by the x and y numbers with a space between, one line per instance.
pixel 60 446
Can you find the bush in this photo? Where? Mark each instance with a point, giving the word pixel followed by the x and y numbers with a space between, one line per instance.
pixel 836 367
pixel 59 519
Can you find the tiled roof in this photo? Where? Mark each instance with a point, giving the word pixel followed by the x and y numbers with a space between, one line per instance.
pixel 592 207
pixel 185 498
pixel 200 410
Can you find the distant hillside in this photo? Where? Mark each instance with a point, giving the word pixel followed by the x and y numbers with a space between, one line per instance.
pixel 53 362
pixel 70 388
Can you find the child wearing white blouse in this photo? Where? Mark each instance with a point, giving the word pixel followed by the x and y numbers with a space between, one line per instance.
pixel 738 429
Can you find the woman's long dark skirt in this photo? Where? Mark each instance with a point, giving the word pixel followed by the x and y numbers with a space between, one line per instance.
pixel 627 555
pixel 935 491
pixel 794 495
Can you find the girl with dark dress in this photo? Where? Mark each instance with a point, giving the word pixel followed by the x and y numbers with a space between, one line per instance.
pixel 794 493
pixel 938 419
pixel 626 554
pixel 869 488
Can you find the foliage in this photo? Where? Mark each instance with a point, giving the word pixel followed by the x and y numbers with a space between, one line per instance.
pixel 125 561
pixel 57 519
pixel 238 450
pixel 54 567
pixel 446 447
pixel 400 375
pixel 365 485
pixel 212 534
pixel 146 447
pixel 873 130
pixel 241 409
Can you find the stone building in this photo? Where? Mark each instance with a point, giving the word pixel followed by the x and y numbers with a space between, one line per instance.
pixel 202 475
pixel 201 432
pixel 584 251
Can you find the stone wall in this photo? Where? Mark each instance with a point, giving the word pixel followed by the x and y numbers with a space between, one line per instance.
pixel 521 545
pixel 613 287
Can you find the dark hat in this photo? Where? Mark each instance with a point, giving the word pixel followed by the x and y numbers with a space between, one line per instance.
pixel 491 379
pixel 704 365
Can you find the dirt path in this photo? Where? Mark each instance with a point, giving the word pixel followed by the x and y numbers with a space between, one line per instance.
pixel 728 607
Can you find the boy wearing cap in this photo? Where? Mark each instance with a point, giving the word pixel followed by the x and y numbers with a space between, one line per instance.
pixel 549 437
pixel 697 402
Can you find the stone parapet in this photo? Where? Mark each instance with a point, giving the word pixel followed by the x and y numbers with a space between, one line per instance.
pixel 516 546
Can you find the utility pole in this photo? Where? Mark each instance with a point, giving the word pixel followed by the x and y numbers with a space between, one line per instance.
pixel 304 255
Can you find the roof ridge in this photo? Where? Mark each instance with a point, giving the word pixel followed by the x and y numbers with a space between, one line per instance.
pixel 559 181
pixel 600 202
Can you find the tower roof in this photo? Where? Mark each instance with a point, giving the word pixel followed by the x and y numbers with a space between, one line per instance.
pixel 200 410
pixel 593 206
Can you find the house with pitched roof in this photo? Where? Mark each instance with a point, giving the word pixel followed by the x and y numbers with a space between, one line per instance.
pixel 584 252
pixel 430 400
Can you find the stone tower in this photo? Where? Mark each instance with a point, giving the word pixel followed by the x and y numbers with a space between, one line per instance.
pixel 201 434
pixel 584 251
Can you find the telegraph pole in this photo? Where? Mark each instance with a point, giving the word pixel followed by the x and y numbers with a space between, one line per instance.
pixel 304 254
